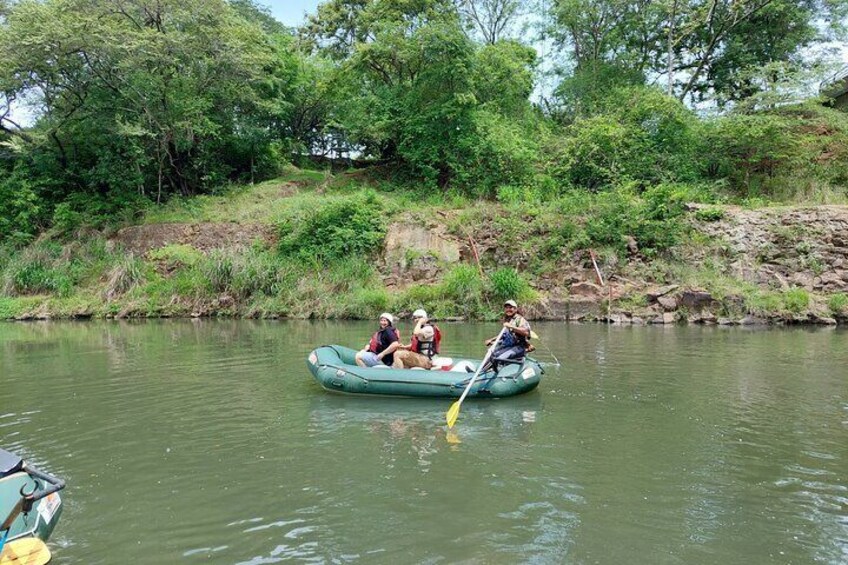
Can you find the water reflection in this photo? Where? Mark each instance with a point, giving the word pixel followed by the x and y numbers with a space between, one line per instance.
pixel 417 426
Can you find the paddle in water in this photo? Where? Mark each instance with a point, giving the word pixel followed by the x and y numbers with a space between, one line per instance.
pixel 453 411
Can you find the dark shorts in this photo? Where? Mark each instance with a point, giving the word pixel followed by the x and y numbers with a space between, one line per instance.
pixel 504 354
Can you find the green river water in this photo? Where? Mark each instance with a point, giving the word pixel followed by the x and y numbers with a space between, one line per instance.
pixel 209 442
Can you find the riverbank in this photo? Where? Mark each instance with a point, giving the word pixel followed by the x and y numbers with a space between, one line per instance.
pixel 317 245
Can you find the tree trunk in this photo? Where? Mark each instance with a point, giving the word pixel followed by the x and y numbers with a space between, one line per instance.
pixel 671 22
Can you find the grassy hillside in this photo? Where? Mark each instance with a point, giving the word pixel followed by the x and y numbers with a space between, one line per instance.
pixel 312 244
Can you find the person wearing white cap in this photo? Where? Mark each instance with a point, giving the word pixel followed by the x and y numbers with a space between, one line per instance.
pixel 515 341
pixel 379 351
pixel 426 339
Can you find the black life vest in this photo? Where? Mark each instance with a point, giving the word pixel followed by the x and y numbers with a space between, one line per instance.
pixel 428 348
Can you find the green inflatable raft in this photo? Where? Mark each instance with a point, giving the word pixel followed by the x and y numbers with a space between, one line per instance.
pixel 30 506
pixel 334 368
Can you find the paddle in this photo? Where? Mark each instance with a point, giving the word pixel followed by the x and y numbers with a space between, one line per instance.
pixel 25 551
pixel 453 412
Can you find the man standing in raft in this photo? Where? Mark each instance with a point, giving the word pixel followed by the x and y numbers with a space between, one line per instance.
pixel 383 344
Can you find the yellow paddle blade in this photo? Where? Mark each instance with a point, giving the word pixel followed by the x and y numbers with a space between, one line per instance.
pixel 25 551
pixel 533 335
pixel 452 438
pixel 453 414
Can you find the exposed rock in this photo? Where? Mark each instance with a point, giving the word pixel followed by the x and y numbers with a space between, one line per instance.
pixel 585 289
pixel 550 309
pixel 422 269
pixel 821 320
pixel 668 303
pixel 416 253
pixel 752 321
pixel 618 318
pixel 803 280
pixel 583 309
pixel 832 281
pixel 653 295
pixel 695 299
pixel 706 318
pixel 402 238
pixel 734 303
pixel 202 236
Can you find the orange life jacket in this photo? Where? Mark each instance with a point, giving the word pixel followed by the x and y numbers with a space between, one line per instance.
pixel 374 344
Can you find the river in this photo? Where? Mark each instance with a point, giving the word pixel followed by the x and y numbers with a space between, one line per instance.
pixel 209 442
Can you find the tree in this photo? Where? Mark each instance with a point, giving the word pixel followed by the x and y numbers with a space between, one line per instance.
pixel 135 92
pixel 503 77
pixel 703 48
pixel 418 91
pixel 491 18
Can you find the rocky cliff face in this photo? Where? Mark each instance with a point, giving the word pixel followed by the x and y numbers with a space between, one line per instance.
pixel 784 248
pixel 773 250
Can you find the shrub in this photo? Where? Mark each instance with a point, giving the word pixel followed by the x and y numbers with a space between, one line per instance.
pixel 501 153
pixel 463 284
pixel 367 303
pixel 760 303
pixel 37 270
pixel 218 270
pixel 746 149
pixel 793 152
pixel 508 284
pixel 653 219
pixel 126 275
pixel 568 235
pixel 176 255
pixel 796 300
pixel 95 210
pixel 639 135
pixel 21 210
pixel 338 228
pixel 711 214
pixel 838 303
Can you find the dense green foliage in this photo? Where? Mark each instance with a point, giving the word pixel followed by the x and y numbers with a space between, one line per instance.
pixel 337 229
pixel 159 111
pixel 138 103
pixel 699 50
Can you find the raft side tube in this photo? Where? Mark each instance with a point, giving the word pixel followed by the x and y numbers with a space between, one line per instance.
pixel 334 367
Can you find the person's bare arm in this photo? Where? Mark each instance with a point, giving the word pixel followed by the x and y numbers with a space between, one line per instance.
pixel 389 350
pixel 522 331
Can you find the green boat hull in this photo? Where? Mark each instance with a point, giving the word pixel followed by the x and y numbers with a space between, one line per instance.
pixel 42 518
pixel 335 369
